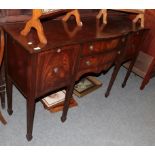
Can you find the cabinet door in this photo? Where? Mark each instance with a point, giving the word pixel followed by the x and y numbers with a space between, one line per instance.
pixel 55 68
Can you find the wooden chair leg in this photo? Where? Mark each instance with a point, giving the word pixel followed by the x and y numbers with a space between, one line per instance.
pixel 144 83
pixel 147 76
pixel 2 119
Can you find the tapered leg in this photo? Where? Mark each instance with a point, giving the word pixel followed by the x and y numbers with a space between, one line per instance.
pixel 30 117
pixel 2 119
pixel 2 87
pixel 145 82
pixel 2 95
pixel 142 85
pixel 147 76
pixel 9 86
pixel 113 77
pixel 128 72
pixel 69 93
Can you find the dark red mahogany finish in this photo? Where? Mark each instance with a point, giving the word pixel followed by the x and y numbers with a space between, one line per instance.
pixel 71 52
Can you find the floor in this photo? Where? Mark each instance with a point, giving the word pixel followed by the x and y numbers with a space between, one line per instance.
pixel 126 117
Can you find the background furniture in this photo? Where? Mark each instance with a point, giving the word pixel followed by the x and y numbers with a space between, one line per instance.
pixel 2 93
pixel 143 67
pixel 132 50
pixel 145 64
pixel 149 44
pixel 139 13
pixel 14 15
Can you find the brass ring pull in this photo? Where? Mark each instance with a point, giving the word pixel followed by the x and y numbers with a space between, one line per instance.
pixel 56 69
pixel 123 39
pixel 88 63
pixel 91 47
pixel 119 52
pixel 58 50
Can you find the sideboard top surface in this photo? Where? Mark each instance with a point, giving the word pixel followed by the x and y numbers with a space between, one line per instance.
pixel 59 33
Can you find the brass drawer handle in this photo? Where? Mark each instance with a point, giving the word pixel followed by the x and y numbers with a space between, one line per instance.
pixel 119 52
pixel 56 70
pixel 58 50
pixel 88 63
pixel 123 39
pixel 91 47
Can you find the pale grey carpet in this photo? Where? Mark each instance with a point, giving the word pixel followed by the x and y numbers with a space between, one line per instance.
pixel 126 117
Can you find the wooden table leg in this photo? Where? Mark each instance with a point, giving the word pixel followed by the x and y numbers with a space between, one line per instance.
pixel 113 77
pixel 2 95
pixel 2 85
pixel 9 86
pixel 129 71
pixel 30 117
pixel 69 93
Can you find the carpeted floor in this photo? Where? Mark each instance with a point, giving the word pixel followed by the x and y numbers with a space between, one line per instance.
pixel 126 117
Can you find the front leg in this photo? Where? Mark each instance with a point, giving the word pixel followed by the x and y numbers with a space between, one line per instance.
pixel 30 116
pixel 68 96
pixel 2 95
pixel 2 88
pixel 9 86
pixel 129 70
pixel 112 80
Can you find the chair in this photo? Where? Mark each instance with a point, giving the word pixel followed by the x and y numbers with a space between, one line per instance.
pixel 1 57
pixel 143 67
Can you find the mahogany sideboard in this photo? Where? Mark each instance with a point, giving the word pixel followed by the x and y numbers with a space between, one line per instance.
pixel 71 52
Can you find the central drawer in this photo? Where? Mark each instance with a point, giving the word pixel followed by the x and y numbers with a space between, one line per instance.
pixel 99 47
pixel 96 63
pixel 55 68
pixel 87 65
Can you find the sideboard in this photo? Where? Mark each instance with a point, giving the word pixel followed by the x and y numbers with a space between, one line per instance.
pixel 71 52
